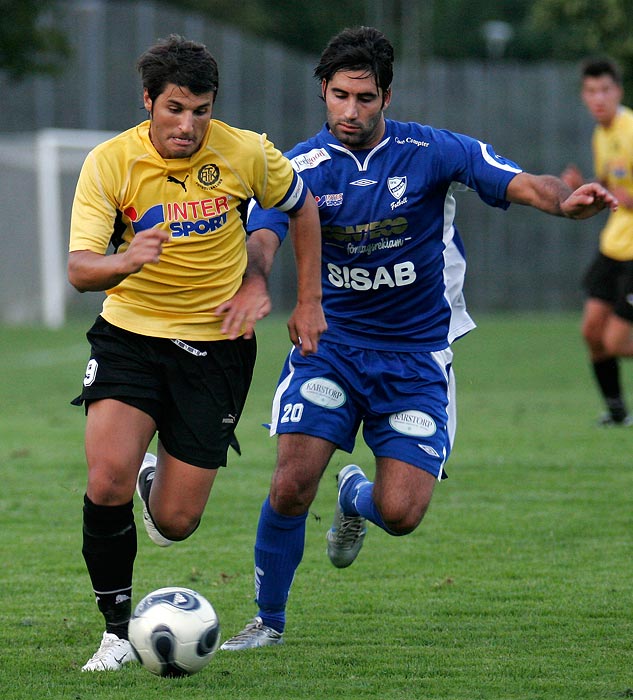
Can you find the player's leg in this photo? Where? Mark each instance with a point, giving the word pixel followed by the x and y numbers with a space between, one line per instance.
pixel 399 497
pixel 411 447
pixel 280 538
pixel 301 461
pixel 116 438
pixel 596 313
pixel 207 385
pixel 618 336
pixel 601 283
pixel 618 333
pixel 395 501
pixel 311 414
pixel 602 333
pixel 178 495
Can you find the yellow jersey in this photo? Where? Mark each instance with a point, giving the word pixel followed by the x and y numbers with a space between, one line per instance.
pixel 125 187
pixel 613 163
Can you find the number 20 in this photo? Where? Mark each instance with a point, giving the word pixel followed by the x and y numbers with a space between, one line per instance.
pixel 292 413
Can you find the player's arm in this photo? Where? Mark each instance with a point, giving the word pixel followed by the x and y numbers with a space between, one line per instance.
pixel 89 271
pixel 551 195
pixel 572 176
pixel 624 196
pixel 239 312
pixel 307 322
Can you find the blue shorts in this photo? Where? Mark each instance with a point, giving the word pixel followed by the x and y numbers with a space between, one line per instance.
pixel 404 400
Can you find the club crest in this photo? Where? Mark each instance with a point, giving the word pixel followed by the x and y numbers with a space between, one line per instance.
pixel 397 186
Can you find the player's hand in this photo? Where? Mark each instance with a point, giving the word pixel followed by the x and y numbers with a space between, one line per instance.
pixel 623 195
pixel 250 304
pixel 587 201
pixel 306 325
pixel 572 176
pixel 146 247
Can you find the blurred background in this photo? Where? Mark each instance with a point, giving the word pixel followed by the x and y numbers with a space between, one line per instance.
pixel 504 71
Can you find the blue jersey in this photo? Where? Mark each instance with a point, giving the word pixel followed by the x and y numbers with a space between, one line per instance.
pixel 393 264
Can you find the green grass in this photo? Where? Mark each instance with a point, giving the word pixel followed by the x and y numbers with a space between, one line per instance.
pixel 516 587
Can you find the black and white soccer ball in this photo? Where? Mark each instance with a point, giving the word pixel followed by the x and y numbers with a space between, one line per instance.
pixel 174 631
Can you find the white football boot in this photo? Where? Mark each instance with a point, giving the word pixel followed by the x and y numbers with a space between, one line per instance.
pixel 111 654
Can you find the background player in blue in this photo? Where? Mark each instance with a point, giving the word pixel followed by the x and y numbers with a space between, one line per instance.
pixel 392 274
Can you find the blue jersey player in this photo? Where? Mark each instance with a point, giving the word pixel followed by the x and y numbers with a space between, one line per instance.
pixel 392 274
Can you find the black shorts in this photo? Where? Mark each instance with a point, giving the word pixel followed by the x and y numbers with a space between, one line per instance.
pixel 611 281
pixel 194 391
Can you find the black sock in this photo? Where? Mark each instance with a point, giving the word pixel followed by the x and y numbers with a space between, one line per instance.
pixel 109 550
pixel 607 373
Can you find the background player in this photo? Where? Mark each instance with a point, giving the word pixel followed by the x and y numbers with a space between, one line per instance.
pixel 392 274
pixel 608 312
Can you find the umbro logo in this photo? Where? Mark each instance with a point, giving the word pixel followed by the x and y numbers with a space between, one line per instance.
pixel 363 182
pixel 182 183
pixel 429 450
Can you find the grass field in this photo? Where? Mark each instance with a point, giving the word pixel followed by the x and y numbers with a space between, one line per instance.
pixel 516 587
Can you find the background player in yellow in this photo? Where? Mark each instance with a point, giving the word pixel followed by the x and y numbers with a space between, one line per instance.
pixel 608 314
pixel 173 349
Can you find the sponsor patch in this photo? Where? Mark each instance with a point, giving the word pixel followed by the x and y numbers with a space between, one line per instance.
pixel 414 423
pixel 323 392
pixel 329 200
pixel 311 159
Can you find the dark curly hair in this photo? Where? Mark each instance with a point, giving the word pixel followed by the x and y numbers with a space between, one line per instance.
pixel 358 48
pixel 181 62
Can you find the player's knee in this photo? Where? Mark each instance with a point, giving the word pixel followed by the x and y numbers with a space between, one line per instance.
pixel 178 526
pixel 611 346
pixel 593 337
pixel 618 344
pixel 291 496
pixel 401 523
pixel 109 487
pixel 400 528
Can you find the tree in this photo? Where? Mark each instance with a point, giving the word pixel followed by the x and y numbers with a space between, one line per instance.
pixel 30 40
pixel 300 24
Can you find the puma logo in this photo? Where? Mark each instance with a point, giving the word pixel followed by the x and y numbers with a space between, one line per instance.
pixel 171 178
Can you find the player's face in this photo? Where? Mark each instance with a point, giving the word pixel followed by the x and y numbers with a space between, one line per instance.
pixel 179 120
pixel 603 96
pixel 355 107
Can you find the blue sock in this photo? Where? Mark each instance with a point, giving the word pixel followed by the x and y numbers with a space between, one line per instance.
pixel 278 552
pixel 357 500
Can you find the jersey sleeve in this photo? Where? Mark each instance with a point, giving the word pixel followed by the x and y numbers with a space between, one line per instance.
pixel 476 165
pixel 273 219
pixel 281 186
pixel 93 211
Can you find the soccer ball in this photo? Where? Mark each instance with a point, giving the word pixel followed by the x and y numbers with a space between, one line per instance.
pixel 174 631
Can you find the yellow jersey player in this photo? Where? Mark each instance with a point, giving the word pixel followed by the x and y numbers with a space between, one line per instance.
pixel 156 225
pixel 608 314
